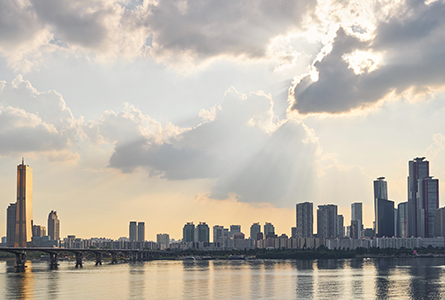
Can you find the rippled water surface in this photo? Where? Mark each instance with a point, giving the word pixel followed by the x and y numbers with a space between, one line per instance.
pixel 411 278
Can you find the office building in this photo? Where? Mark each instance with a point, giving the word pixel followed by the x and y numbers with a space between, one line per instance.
pixel 327 221
pixel 380 192
pixel 402 219
pixel 203 232
pixel 254 229
pixel 234 229
pixel 340 226
pixel 384 225
pixel 293 232
pixel 188 232
pixel 133 231
pixel 269 229
pixel 11 215
pixel 141 232
pixel 53 225
pixel 305 220
pixel 427 204
pixel 396 222
pixel 357 215
pixel 418 168
pixel 163 241
pixel 24 219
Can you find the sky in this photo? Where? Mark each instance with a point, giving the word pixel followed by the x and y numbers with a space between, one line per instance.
pixel 225 112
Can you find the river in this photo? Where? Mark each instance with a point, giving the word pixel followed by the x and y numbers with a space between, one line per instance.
pixel 383 278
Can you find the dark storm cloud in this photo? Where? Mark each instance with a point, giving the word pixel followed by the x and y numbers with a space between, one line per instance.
pixel 413 47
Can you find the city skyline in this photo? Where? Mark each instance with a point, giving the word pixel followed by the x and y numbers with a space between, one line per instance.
pixel 222 112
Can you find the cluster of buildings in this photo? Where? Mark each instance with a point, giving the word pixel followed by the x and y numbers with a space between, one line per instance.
pixel 20 228
pixel 418 222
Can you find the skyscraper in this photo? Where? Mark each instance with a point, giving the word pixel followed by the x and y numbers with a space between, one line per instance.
pixel 53 225
pixel 305 219
pixel 418 168
pixel 357 215
pixel 11 215
pixel 203 231
pixel 380 192
pixel 254 230
pixel 327 221
pixel 188 232
pixel 384 224
pixel 163 241
pixel 133 231
pixel 427 204
pixel 439 222
pixel 24 220
pixel 218 234
pixel 141 231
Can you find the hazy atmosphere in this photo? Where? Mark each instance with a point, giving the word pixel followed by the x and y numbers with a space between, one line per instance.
pixel 226 112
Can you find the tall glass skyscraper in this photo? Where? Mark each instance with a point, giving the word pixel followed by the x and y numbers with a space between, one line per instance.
pixel 357 215
pixel 418 168
pixel 53 225
pixel 133 231
pixel 24 219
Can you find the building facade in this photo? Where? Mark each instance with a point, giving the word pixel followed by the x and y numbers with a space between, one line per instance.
pixel 188 232
pixel 340 226
pixel 254 230
pixel 203 232
pixel 269 229
pixel 11 215
pixel 305 219
pixel 163 241
pixel 418 168
pixel 133 231
pixel 402 212
pixel 384 223
pixel 141 232
pixel 327 221
pixel 427 204
pixel 357 215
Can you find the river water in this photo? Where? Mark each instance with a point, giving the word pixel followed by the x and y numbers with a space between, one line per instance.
pixel 384 278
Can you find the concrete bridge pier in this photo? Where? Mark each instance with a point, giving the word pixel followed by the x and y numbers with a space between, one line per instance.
pixel 114 257
pixel 20 258
pixel 53 259
pixel 79 257
pixel 98 258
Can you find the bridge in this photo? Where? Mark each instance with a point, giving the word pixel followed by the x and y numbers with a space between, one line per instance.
pixel 133 255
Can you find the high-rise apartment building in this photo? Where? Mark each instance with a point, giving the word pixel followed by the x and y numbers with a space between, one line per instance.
pixel 163 241
pixel 418 168
pixel 203 232
pixel 133 231
pixel 402 219
pixel 24 219
pixel 188 232
pixel 380 192
pixel 357 215
pixel 327 221
pixel 38 231
pixel 305 219
pixel 53 225
pixel 141 232
pixel 218 234
pixel 427 204
pixel 11 215
pixel 254 230
pixel 268 229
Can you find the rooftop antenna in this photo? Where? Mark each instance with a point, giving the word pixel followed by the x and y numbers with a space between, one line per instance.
pixel 23 161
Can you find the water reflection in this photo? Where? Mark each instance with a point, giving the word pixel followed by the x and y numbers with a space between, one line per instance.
pixel 305 278
pixel 19 284
pixel 136 280
pixel 425 274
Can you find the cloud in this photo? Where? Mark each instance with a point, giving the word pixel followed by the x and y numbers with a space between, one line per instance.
pixel 411 45
pixel 31 121
pixel 243 146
